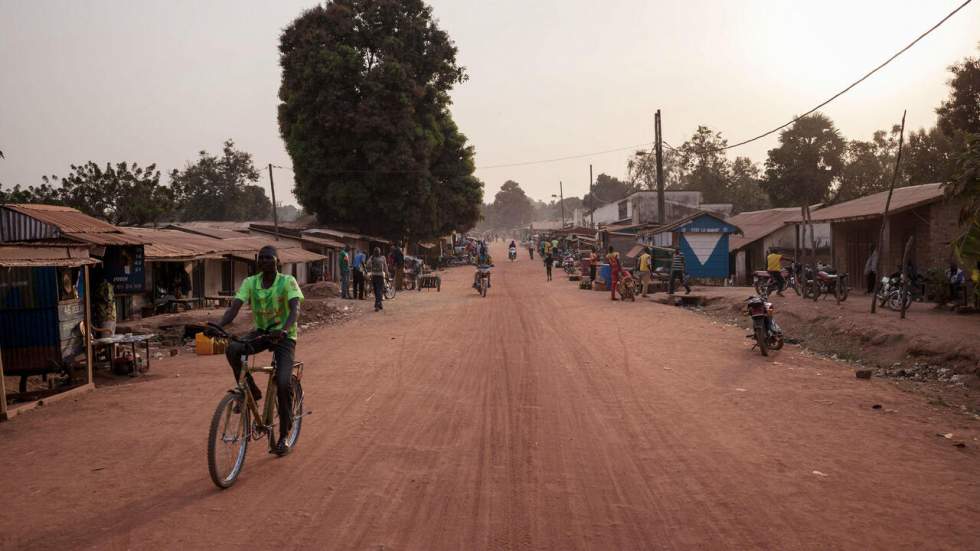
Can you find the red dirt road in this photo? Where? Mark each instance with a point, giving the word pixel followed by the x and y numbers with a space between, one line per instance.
pixel 540 417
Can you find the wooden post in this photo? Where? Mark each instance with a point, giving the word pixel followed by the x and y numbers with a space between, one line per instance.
pixel 801 245
pixel 905 275
pixel 884 217
pixel 591 198
pixel 88 326
pixel 661 202
pixel 3 393
pixel 275 215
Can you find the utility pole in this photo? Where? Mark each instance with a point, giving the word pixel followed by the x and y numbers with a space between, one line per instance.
pixel 561 197
pixel 591 198
pixel 658 141
pixel 275 215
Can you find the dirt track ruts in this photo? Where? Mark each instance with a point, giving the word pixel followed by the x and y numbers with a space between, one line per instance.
pixel 540 417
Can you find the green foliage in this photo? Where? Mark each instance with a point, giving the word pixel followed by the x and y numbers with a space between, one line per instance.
pixel 511 208
pixel 960 112
pixel 641 170
pixel 744 191
pixel 364 114
pixel 220 188
pixel 704 162
pixel 869 166
pixel 927 157
pixel 606 189
pixel 807 163
pixel 123 194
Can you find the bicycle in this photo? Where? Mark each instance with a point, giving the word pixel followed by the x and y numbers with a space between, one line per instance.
pixel 238 418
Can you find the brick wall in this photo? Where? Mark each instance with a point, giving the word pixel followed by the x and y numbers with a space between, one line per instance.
pixel 943 229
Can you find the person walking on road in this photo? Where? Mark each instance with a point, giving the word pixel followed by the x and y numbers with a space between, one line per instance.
pixel 646 269
pixel 377 268
pixel 593 264
pixel 530 249
pixel 345 272
pixel 678 271
pixel 549 263
pixel 398 265
pixel 359 259
pixel 870 271
pixel 614 271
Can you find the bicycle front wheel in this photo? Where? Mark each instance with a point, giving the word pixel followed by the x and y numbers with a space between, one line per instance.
pixel 228 440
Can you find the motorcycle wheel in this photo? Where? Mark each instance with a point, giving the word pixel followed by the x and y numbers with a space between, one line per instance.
pixel 841 290
pixel 761 340
pixel 760 287
pixel 776 342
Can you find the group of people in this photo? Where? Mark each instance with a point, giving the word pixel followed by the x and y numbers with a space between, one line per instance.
pixel 645 267
pixel 362 268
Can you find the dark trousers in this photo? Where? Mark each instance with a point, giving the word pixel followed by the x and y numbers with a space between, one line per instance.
pixel 358 284
pixel 675 275
pixel 378 286
pixel 592 272
pixel 870 281
pixel 777 276
pixel 345 284
pixel 547 268
pixel 283 353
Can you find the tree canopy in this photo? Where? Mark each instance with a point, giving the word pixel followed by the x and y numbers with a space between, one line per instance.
pixel 806 164
pixel 511 208
pixel 220 188
pixel 365 117
pixel 606 189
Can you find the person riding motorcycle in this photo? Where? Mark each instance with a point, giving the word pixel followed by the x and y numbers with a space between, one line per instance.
pixel 512 249
pixel 483 259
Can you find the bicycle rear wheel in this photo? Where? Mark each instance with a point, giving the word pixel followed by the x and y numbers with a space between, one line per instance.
pixel 297 414
pixel 228 440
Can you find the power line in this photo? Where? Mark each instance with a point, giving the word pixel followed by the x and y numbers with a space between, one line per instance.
pixel 763 135
pixel 570 157
pixel 855 83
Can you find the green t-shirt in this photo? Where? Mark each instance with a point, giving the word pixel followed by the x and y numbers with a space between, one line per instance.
pixel 270 307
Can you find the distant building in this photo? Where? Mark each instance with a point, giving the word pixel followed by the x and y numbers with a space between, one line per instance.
pixel 641 208
pixel 763 230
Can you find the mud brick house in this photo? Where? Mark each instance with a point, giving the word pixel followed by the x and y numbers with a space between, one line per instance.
pixel 922 211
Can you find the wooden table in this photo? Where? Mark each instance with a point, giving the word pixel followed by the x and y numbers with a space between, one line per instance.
pixel 132 341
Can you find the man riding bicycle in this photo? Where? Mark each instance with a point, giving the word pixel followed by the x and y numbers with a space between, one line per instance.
pixel 274 299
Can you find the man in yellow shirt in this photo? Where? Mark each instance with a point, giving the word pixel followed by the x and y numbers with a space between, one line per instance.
pixel 645 268
pixel 774 265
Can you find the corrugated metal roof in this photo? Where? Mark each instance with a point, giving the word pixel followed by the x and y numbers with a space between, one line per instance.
pixel 345 235
pixel 217 233
pixel 32 255
pixel 289 256
pixel 872 206
pixel 66 219
pixel 323 241
pixel 105 238
pixel 758 224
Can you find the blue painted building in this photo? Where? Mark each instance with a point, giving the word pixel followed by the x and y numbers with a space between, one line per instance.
pixel 703 239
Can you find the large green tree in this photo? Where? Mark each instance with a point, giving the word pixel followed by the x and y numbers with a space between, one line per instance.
pixel 606 189
pixel 124 194
pixel 927 157
pixel 807 163
pixel 868 166
pixel 365 116
pixel 220 188
pixel 744 187
pixel 511 207
pixel 704 162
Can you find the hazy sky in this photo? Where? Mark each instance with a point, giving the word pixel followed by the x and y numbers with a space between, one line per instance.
pixel 131 80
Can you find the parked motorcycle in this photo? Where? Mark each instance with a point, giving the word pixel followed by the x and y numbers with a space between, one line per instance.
pixel 828 282
pixel 890 291
pixel 765 284
pixel 766 332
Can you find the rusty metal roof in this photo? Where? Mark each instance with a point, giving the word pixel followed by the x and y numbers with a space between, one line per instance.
pixel 758 224
pixel 323 241
pixel 872 206
pixel 66 219
pixel 217 233
pixel 61 255
pixel 105 238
